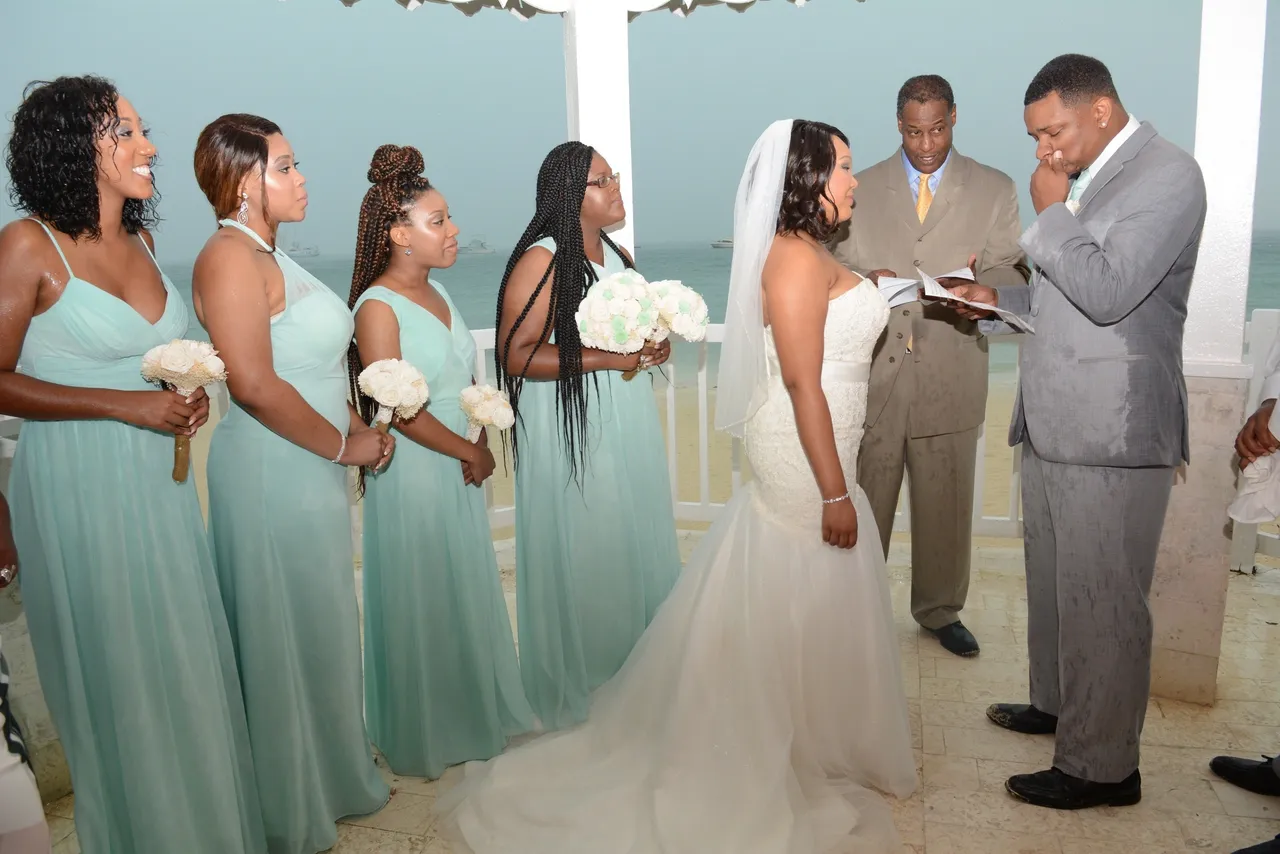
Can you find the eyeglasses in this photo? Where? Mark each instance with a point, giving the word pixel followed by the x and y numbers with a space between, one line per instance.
pixel 605 180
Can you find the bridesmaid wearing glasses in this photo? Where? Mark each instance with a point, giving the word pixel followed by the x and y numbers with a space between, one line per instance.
pixel 596 549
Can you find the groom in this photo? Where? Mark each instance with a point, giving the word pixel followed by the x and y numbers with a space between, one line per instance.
pixel 1102 417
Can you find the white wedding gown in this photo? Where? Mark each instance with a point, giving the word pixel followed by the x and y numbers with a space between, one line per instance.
pixel 764 702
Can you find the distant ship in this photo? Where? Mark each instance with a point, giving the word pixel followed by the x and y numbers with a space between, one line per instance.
pixel 297 250
pixel 475 247
pixel 727 243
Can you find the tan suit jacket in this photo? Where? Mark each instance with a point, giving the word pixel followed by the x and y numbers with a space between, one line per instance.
pixel 974 212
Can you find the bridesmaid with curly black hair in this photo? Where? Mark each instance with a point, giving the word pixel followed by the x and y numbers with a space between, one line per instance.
pixel 130 637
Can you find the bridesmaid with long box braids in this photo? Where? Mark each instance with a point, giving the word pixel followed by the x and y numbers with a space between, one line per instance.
pixel 442 685
pixel 596 549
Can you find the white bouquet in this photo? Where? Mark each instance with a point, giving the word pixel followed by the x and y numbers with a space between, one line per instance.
pixel 183 366
pixel 617 314
pixel 397 387
pixel 486 406
pixel 681 310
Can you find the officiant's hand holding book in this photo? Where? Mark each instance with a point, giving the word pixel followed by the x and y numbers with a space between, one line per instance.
pixel 973 301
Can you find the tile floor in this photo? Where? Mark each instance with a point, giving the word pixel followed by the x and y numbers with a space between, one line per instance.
pixel 961 807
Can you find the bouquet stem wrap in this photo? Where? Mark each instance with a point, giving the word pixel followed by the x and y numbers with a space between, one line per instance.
pixel 183 366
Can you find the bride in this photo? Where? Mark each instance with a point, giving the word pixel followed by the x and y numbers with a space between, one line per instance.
pixel 765 701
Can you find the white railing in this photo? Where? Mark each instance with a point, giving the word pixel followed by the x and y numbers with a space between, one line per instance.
pixel 704 509
pixel 1247 541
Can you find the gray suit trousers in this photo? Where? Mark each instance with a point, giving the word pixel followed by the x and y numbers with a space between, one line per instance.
pixel 1091 537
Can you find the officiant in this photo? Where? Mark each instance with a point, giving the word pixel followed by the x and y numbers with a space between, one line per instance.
pixel 929 206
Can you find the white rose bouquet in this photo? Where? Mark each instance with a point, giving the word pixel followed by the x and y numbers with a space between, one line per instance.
pixel 397 387
pixel 183 366
pixel 681 310
pixel 486 406
pixel 617 314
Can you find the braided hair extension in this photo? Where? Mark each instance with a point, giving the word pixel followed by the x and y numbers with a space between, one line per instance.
pixel 562 186
pixel 396 175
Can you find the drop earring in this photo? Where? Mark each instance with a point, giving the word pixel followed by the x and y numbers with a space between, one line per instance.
pixel 408 251
pixel 242 216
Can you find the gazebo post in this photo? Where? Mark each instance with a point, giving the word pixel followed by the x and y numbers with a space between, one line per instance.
pixel 598 91
pixel 1189 594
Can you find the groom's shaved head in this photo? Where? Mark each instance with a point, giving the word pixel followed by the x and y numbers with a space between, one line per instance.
pixel 1075 78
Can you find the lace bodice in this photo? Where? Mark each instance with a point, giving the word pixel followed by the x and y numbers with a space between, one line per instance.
pixel 785 483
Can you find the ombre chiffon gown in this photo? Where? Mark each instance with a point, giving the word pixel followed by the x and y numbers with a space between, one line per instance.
pixel 442 685
pixel 280 524
pixel 595 557
pixel 130 638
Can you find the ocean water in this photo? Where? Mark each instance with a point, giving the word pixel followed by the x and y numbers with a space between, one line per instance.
pixel 473 283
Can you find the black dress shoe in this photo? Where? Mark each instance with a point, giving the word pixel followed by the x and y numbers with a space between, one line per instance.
pixel 957 640
pixel 1022 718
pixel 1271 846
pixel 1060 791
pixel 1249 774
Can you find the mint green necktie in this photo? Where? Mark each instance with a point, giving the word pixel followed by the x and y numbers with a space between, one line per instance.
pixel 1081 184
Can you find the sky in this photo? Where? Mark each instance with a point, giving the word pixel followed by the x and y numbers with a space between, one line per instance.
pixel 484 97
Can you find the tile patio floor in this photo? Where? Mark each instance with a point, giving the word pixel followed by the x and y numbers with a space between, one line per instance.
pixel 961 807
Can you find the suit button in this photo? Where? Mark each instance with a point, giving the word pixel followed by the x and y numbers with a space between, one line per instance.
pixel 891 360
pixel 899 334
pixel 905 312
pixel 916 262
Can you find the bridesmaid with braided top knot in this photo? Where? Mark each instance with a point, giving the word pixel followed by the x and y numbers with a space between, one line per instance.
pixel 442 685
pixel 596 549
pixel 279 517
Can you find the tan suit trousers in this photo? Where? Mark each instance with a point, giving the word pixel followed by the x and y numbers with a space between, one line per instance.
pixel 940 471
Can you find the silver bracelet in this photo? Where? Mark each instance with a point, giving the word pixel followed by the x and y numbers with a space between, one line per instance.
pixel 341 450
pixel 835 500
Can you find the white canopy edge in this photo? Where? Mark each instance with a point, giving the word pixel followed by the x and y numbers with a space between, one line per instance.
pixel 528 8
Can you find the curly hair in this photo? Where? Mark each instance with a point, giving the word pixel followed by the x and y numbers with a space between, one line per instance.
pixel 810 162
pixel 53 158
pixel 562 186
pixel 396 175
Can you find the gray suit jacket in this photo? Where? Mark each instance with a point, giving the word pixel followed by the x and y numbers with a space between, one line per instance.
pixel 974 213
pixel 1101 378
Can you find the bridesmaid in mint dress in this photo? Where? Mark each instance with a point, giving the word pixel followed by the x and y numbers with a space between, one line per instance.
pixel 130 638
pixel 596 550
pixel 279 517
pixel 442 685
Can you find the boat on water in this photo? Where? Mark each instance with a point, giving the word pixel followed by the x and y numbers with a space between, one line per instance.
pixel 475 247
pixel 727 243
pixel 298 250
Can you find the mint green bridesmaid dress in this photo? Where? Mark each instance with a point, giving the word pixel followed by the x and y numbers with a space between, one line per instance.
pixel 131 642
pixel 280 525
pixel 594 559
pixel 442 685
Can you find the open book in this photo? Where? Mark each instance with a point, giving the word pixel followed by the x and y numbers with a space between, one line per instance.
pixel 901 291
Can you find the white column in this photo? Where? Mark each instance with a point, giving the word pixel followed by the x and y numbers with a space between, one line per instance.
pixel 1228 115
pixel 598 91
